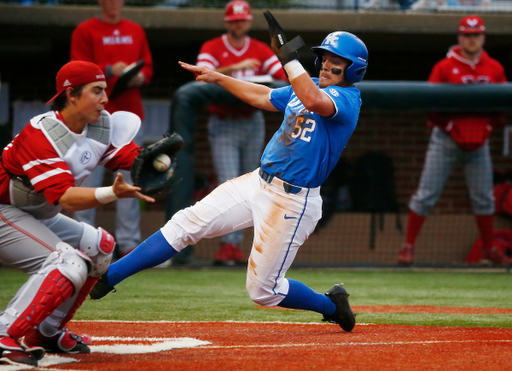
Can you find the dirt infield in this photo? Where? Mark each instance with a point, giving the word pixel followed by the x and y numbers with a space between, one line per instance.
pixel 230 346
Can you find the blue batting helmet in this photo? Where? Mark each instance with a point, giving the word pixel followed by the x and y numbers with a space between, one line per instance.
pixel 348 46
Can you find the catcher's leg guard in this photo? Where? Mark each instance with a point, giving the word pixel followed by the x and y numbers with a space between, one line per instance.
pixel 82 295
pixel 53 291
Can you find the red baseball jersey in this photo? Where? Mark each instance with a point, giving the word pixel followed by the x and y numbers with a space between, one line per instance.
pixel 31 154
pixel 469 130
pixel 106 44
pixel 218 53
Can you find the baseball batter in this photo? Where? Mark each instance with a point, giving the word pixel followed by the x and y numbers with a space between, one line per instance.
pixel 281 199
pixel 40 174
pixel 460 137
pixel 233 151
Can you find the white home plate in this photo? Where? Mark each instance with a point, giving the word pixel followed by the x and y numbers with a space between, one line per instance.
pixel 149 345
pixel 155 344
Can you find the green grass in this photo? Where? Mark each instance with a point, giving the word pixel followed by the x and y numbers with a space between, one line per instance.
pixel 220 295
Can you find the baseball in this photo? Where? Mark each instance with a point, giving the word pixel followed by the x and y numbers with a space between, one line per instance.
pixel 162 162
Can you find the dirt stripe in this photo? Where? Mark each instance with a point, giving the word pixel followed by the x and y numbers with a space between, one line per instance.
pixel 250 346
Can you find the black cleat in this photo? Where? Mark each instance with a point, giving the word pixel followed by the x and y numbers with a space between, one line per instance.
pixel 343 315
pixel 101 289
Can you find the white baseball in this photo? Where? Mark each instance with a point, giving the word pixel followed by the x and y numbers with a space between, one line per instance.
pixel 162 162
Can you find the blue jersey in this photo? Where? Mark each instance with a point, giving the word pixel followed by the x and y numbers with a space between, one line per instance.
pixel 307 146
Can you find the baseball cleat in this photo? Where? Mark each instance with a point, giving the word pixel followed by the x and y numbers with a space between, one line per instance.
pixel 406 255
pixel 13 353
pixel 63 341
pixel 343 316
pixel 101 289
pixel 17 358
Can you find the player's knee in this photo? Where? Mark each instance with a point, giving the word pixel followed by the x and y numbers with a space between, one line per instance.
pixel 98 245
pixel 72 264
pixel 263 295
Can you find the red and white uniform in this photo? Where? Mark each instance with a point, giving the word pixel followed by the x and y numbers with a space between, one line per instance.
pixel 34 237
pixel 106 44
pixel 33 154
pixel 217 53
pixel 471 130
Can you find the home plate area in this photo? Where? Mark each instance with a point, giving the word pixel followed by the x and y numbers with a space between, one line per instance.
pixel 281 346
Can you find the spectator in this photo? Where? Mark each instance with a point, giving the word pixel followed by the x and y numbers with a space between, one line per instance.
pixel 114 43
pixel 460 137
pixel 237 134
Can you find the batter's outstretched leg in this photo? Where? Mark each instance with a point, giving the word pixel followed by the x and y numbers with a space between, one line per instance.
pixel 153 251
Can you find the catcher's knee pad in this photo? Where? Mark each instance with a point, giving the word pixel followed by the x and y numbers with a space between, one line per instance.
pixel 98 245
pixel 72 263
pixel 43 293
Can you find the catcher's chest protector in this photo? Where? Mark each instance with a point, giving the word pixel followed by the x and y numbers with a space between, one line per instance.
pixel 81 153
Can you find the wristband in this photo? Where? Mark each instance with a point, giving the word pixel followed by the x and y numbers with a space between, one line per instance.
pixel 294 69
pixel 105 194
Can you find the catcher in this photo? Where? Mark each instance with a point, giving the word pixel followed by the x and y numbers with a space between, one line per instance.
pixel 41 171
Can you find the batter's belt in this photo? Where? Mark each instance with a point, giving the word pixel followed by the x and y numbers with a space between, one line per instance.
pixel 288 188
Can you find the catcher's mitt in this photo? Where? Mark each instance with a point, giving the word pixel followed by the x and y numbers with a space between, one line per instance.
pixel 144 174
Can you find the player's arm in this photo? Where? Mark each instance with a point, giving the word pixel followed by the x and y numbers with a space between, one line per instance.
pixel 83 198
pixel 306 90
pixel 255 94
pixel 310 94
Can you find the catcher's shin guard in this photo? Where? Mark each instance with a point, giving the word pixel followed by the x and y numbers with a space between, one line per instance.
pixel 53 291
pixel 82 295
pixel 343 315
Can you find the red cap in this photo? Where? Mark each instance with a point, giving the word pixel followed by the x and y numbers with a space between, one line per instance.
pixel 238 10
pixel 471 24
pixel 77 73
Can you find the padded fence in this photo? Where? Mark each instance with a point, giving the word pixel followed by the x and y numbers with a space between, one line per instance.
pixel 390 137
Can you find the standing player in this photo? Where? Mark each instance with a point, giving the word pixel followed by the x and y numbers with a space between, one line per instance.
pixel 41 171
pixel 113 43
pixel 234 152
pixel 460 137
pixel 281 199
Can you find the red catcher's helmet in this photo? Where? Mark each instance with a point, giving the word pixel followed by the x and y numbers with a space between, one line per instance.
pixel 471 24
pixel 238 10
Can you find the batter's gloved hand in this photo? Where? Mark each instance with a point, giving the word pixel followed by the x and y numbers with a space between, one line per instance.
pixel 143 172
pixel 284 50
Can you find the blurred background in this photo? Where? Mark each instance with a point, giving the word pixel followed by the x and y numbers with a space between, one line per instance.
pixel 404 38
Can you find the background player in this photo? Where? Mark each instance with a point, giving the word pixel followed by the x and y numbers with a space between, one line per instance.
pixel 460 137
pixel 281 200
pixel 40 174
pixel 113 43
pixel 234 151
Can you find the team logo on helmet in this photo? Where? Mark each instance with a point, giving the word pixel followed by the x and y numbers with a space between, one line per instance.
pixel 332 39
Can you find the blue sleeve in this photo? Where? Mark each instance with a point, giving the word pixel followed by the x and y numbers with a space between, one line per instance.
pixel 345 102
pixel 280 97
